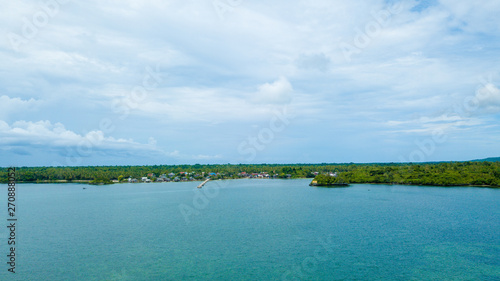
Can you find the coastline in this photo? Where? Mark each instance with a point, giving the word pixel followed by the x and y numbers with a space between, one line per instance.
pixel 247 178
pixel 446 174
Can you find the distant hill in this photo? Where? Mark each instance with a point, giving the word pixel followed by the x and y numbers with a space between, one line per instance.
pixel 491 159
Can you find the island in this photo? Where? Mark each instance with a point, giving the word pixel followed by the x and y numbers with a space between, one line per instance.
pixel 102 180
pixel 329 180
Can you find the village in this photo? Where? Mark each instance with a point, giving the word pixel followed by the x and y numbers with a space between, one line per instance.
pixel 193 176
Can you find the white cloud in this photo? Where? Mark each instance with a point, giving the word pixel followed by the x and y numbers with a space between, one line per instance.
pixel 227 75
pixel 207 157
pixel 45 135
pixel 488 98
pixel 24 136
pixel 318 61
pixel 10 105
pixel 210 105
pixel 474 18
pixel 191 105
pixel 448 123
pixel 278 92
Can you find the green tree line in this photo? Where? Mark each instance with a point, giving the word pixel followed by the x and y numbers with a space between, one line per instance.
pixel 442 174
pixel 438 174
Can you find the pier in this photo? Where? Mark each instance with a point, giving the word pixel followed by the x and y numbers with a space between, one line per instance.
pixel 203 183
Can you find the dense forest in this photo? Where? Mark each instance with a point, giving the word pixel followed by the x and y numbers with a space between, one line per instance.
pixel 328 180
pixel 441 174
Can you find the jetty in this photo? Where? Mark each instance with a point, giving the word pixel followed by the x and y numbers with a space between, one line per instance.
pixel 203 183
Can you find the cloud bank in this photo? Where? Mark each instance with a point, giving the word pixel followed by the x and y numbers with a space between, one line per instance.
pixel 365 79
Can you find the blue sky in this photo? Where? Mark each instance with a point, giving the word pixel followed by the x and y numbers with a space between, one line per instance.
pixel 238 81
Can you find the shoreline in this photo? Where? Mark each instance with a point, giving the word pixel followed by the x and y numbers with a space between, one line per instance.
pixel 474 174
pixel 201 180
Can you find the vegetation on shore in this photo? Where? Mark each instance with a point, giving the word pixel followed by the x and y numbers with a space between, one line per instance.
pixel 101 180
pixel 328 180
pixel 436 174
pixel 439 174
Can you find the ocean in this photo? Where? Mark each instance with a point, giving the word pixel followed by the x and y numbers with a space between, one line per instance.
pixel 252 229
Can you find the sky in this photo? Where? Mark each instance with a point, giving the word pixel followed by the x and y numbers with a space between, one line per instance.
pixel 164 82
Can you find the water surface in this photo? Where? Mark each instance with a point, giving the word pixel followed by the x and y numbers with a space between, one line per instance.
pixel 254 230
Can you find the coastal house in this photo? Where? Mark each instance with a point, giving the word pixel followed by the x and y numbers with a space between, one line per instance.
pixel 145 179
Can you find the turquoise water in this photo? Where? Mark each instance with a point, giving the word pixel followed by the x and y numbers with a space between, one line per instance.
pixel 253 230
